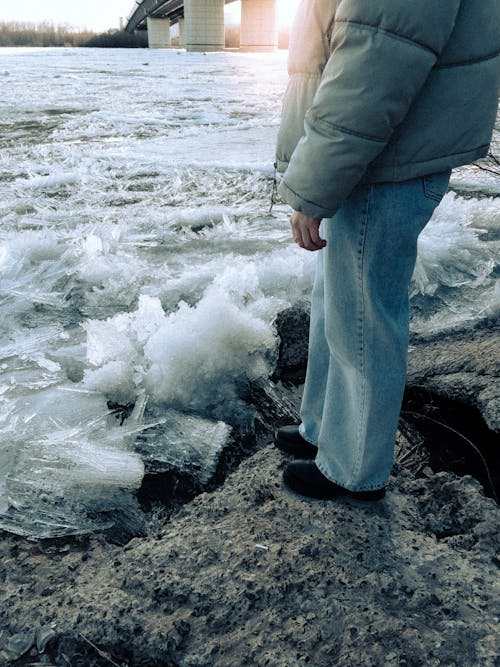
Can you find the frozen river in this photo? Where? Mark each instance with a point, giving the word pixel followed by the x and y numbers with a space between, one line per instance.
pixel 139 264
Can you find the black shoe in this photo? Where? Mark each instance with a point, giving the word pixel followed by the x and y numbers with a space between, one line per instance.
pixel 305 477
pixel 289 440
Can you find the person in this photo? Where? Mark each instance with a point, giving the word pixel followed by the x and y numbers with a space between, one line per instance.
pixel 384 98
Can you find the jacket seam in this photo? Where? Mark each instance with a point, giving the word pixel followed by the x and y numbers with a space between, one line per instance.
pixel 340 128
pixel 472 61
pixel 390 33
pixel 447 155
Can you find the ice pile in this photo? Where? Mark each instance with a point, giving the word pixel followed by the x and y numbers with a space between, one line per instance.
pixel 34 258
pixel 192 359
pixel 67 463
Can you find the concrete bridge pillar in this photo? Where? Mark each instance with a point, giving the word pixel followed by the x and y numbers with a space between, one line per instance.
pixel 204 25
pixel 259 26
pixel 182 35
pixel 158 33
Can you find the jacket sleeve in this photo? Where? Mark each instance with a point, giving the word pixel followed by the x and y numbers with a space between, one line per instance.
pixel 382 53
pixel 308 53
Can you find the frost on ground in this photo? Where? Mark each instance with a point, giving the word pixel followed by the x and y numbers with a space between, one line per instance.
pixel 139 261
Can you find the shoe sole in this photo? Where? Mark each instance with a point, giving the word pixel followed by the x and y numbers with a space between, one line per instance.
pixel 297 452
pixel 295 485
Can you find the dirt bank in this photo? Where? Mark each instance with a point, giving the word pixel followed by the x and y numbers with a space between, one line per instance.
pixel 253 575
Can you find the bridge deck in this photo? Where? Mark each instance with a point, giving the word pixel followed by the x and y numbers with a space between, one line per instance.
pixel 172 9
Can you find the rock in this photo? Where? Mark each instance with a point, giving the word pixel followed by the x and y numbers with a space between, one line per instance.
pixel 272 404
pixel 292 326
pixel 462 365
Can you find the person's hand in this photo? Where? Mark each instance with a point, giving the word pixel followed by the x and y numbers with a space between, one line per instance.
pixel 305 231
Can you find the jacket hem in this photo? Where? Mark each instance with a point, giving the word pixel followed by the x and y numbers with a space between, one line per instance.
pixel 303 205
pixel 396 173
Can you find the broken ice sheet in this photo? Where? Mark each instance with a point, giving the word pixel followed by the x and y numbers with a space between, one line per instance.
pixel 27 344
pixel 455 278
pixel 451 252
pixel 65 463
pixel 187 443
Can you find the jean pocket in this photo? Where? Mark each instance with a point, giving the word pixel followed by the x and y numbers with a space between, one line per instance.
pixel 436 185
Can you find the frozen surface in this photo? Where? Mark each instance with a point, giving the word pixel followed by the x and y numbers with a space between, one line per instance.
pixel 139 263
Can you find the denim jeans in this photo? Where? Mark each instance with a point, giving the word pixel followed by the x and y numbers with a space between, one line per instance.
pixel 358 339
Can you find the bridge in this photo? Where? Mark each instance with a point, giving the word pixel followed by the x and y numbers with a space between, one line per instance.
pixel 201 23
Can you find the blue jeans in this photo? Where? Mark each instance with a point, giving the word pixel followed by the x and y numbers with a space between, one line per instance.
pixel 358 339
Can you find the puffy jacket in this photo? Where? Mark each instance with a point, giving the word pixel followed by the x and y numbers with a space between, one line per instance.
pixel 385 90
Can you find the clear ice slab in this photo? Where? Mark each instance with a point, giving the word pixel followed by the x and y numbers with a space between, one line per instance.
pixel 65 463
pixel 68 467
pixel 186 443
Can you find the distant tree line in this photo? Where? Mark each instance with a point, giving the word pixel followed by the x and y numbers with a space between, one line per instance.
pixel 119 39
pixel 47 34
pixel 41 34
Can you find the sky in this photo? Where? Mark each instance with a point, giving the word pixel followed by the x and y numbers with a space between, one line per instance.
pixel 97 15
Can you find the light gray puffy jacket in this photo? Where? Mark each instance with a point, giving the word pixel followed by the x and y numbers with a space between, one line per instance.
pixel 385 90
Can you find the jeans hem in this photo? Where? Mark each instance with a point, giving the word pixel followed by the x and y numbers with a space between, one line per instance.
pixel 301 431
pixel 367 487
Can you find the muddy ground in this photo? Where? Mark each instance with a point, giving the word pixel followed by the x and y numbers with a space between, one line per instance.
pixel 250 574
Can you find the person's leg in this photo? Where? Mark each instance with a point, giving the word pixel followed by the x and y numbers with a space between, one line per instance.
pixel 311 409
pixel 367 263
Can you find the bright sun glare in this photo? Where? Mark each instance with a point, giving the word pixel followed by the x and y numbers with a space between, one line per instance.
pixel 286 11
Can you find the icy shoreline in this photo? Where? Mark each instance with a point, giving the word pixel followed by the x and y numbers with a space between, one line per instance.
pixel 139 262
